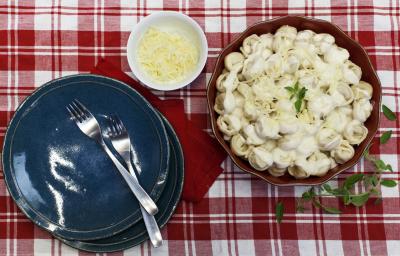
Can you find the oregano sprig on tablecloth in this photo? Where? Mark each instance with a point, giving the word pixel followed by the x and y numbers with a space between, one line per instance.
pixel 345 192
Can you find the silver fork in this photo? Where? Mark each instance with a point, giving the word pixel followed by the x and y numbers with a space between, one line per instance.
pixel 120 140
pixel 88 124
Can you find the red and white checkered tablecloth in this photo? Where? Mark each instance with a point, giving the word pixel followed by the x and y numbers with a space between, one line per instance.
pixel 45 39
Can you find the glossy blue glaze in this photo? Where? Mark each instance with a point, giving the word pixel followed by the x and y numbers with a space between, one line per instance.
pixel 167 203
pixel 62 179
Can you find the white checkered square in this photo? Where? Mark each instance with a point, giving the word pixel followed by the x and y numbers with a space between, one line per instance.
pixel 69 22
pixel 237 4
pixel 237 24
pixel 246 247
pixel 392 160
pixel 69 3
pixel 67 250
pixel 42 247
pixel 321 3
pixel 43 3
pixel 390 102
pixel 217 189
pixel 212 24
pixel 220 247
pixel 294 5
pixel 154 4
pixel 127 22
pixel 382 23
pixel 128 4
pixel 42 77
pixel 212 4
pixel 386 77
pixel 307 247
pixel 393 247
pixel 43 22
pixel 382 3
pixel 334 247
pixel 242 187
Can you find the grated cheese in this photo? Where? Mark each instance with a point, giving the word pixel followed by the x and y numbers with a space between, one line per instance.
pixel 166 57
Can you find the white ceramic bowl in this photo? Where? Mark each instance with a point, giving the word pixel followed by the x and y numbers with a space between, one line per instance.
pixel 170 22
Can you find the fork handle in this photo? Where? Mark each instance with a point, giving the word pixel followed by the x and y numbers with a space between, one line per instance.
pixel 141 195
pixel 150 222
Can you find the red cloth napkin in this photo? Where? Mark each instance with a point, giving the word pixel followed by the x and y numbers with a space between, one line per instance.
pixel 203 155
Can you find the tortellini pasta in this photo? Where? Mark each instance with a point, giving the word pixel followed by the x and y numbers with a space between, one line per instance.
pixel 259 114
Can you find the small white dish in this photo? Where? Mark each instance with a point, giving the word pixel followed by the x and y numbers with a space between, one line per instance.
pixel 173 22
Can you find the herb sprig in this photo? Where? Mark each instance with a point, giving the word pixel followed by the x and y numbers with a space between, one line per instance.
pixel 345 192
pixel 297 92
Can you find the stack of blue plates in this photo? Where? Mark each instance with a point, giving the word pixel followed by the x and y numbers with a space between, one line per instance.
pixel 66 184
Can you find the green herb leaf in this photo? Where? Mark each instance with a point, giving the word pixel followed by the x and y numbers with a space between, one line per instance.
pixel 296 86
pixel 298 104
pixel 302 93
pixel 373 191
pixel 374 180
pixel 385 136
pixel 327 209
pixel 279 212
pixel 388 113
pixel 306 196
pixel 359 199
pixel 388 183
pixel 327 188
pixel 351 180
pixel 389 167
pixel 346 197
pixel 289 89
pixel 380 165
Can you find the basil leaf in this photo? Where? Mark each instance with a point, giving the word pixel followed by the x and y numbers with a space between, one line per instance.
pixel 279 212
pixel 290 89
pixel 296 86
pixel 388 183
pixel 385 136
pixel 388 113
pixel 302 93
pixel 359 199
pixel 351 180
pixel 297 105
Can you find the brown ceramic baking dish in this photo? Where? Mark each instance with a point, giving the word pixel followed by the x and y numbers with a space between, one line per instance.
pixel 357 55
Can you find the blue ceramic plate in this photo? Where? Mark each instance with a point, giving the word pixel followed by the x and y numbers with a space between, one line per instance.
pixel 62 180
pixel 167 203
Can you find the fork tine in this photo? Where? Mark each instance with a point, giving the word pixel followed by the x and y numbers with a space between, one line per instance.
pixel 81 113
pixel 75 113
pixel 71 114
pixel 115 125
pixel 113 128
pixel 120 124
pixel 82 107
